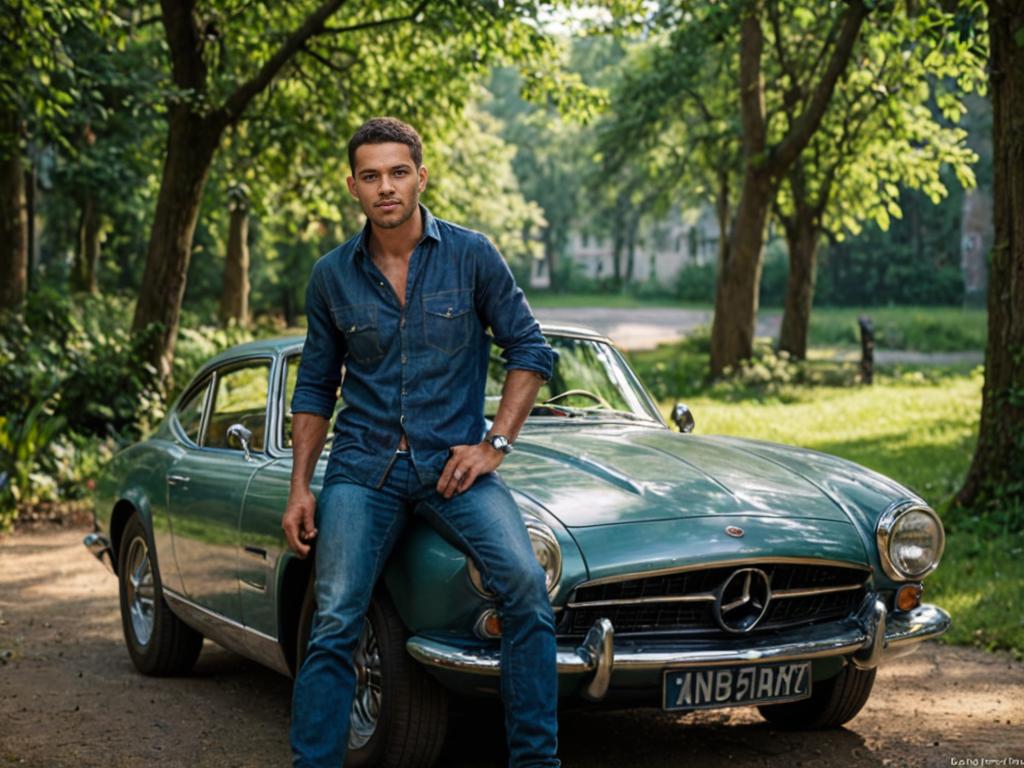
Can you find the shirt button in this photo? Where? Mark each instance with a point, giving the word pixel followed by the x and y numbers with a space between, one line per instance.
pixel 401 419
pixel 404 359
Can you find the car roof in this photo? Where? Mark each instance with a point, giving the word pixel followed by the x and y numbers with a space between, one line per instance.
pixel 280 344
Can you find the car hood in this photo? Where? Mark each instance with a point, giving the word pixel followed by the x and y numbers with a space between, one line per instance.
pixel 613 473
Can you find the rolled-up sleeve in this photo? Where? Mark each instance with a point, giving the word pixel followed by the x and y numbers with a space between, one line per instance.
pixel 502 305
pixel 316 386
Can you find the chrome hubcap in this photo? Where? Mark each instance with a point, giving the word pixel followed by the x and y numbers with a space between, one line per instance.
pixel 141 595
pixel 366 706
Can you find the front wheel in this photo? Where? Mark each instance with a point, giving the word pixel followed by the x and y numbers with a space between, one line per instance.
pixel 399 713
pixel 832 703
pixel 159 643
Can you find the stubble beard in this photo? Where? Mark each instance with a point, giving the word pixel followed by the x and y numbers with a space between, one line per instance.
pixel 394 224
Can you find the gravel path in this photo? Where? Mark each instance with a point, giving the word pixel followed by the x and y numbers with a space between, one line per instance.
pixel 69 697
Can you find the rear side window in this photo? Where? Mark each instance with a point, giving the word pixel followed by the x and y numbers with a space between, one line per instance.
pixel 240 398
pixel 190 412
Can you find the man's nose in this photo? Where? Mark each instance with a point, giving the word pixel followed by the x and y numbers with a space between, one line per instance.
pixel 387 185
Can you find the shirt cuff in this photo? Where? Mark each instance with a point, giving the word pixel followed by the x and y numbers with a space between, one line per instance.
pixel 312 401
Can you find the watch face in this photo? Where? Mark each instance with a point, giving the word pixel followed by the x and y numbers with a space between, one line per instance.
pixel 500 443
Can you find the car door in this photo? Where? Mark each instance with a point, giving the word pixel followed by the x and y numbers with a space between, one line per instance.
pixel 262 540
pixel 207 484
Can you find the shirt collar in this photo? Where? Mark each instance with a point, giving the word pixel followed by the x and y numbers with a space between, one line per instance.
pixel 430 230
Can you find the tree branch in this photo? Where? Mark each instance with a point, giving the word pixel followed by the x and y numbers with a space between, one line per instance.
pixel 313 25
pixel 786 152
pixel 340 69
pixel 187 67
pixel 752 112
pixel 379 22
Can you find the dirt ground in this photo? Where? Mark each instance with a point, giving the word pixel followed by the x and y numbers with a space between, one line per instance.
pixel 69 696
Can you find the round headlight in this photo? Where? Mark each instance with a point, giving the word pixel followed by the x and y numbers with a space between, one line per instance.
pixel 545 549
pixel 547 552
pixel 910 540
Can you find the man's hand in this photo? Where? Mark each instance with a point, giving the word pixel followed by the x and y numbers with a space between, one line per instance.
pixel 298 520
pixel 465 465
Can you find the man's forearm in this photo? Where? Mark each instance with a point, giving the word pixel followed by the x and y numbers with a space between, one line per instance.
pixel 517 399
pixel 309 433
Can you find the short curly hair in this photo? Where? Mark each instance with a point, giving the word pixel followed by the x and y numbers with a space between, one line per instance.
pixel 381 130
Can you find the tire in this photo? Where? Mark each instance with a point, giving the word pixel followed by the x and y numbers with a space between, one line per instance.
pixel 159 643
pixel 833 702
pixel 411 709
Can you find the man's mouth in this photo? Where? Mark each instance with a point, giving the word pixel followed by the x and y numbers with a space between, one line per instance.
pixel 387 205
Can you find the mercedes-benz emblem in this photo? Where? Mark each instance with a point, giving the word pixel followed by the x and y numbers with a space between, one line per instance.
pixel 734 530
pixel 741 602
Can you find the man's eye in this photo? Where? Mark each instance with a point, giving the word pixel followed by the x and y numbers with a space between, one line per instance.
pixel 401 172
pixel 369 177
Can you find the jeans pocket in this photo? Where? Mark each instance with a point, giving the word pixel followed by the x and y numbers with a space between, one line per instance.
pixel 358 322
pixel 446 318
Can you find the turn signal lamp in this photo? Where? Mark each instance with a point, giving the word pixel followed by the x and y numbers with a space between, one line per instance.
pixel 488 626
pixel 908 597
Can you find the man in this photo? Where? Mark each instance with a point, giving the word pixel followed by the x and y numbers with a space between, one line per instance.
pixel 405 306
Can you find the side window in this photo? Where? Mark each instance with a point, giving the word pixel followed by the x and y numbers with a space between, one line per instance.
pixel 291 375
pixel 190 412
pixel 240 397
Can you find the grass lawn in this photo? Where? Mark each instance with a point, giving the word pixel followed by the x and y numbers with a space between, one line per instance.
pixel 923 329
pixel 919 430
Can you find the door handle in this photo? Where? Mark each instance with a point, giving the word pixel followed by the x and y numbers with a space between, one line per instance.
pixel 177 479
pixel 258 552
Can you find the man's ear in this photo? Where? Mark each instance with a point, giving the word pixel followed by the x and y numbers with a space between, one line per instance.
pixel 351 186
pixel 423 177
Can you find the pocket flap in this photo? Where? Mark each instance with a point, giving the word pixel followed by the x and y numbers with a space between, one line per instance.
pixel 352 318
pixel 448 304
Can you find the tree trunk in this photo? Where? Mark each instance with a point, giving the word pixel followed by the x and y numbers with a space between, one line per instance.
pixel 191 144
pixel 736 295
pixel 551 256
pixel 13 220
pixel 87 249
pixel 736 292
pixel 997 471
pixel 802 238
pixel 234 299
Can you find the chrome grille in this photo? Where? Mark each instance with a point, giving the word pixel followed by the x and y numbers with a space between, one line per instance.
pixel 682 602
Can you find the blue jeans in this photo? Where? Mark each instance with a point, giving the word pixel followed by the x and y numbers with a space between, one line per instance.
pixel 357 529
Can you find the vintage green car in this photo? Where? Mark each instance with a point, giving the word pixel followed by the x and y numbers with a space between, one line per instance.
pixel 685 571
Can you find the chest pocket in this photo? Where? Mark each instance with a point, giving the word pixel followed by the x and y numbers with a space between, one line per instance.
pixel 362 336
pixel 446 319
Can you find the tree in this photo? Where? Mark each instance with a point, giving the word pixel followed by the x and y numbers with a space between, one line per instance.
pixel 882 133
pixel 765 163
pixel 36 90
pixel 209 50
pixel 997 470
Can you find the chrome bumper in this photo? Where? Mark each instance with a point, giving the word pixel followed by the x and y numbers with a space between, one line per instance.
pixel 99 545
pixel 868 639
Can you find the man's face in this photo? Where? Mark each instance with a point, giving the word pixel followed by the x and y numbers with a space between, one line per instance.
pixel 387 183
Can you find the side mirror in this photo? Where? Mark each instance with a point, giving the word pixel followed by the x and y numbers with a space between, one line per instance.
pixel 241 436
pixel 682 418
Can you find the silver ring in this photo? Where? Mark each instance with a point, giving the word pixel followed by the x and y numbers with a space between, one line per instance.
pixel 458 475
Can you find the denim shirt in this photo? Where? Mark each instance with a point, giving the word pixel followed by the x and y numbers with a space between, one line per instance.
pixel 421 368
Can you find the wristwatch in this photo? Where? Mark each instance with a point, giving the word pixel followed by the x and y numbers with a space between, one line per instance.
pixel 500 443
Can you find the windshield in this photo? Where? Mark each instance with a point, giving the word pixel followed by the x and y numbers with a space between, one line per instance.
pixel 590 379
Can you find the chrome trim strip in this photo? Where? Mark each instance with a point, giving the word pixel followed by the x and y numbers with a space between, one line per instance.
pixel 236 637
pixel 815 591
pixel 724 564
pixel 700 597
pixel 902 632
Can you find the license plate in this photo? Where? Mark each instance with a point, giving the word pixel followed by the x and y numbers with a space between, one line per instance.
pixel 709 687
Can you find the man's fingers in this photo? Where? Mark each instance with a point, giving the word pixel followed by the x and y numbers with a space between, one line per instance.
pixel 468 479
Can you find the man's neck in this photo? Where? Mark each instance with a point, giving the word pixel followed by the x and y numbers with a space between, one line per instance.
pixel 397 243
